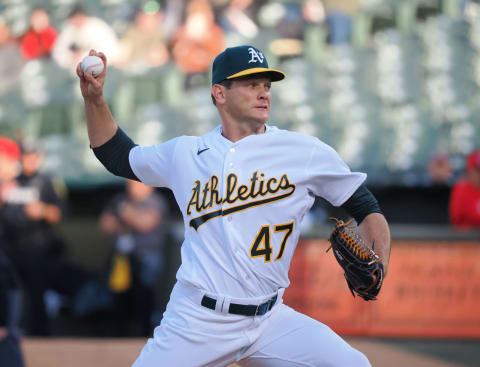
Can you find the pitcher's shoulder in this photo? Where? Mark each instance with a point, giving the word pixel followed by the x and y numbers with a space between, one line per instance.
pixel 295 136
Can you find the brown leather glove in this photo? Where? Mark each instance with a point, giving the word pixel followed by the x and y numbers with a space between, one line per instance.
pixel 362 267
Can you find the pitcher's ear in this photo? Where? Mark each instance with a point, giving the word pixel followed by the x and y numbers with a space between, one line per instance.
pixel 218 94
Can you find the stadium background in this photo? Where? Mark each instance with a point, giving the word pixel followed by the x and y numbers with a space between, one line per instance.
pixel 403 90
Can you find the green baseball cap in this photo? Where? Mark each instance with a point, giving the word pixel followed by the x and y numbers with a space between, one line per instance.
pixel 238 61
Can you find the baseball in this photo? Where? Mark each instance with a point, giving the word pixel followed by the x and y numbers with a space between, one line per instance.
pixel 93 64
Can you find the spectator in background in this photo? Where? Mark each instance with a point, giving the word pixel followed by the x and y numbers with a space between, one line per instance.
pixel 135 220
pixel 313 11
pixel 197 42
pixel 10 296
pixel 440 170
pixel 465 196
pixel 239 16
pixel 11 62
pixel 462 4
pixel 143 44
pixel 174 10
pixel 10 352
pixel 9 155
pixel 289 29
pixel 79 35
pixel 30 209
pixel 340 14
pixel 39 39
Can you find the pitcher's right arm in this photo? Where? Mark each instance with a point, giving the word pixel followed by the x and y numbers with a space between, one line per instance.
pixel 109 143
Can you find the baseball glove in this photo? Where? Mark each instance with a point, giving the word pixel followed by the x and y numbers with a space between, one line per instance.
pixel 362 267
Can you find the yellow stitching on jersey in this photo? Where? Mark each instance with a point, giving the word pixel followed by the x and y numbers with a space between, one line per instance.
pixel 230 188
pixel 233 209
pixel 213 191
pixel 233 193
pixel 195 196
pixel 266 243
pixel 289 225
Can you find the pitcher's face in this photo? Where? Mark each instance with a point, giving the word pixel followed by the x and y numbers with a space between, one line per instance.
pixel 249 100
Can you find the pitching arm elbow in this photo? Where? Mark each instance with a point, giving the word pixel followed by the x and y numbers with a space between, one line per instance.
pixel 361 204
pixel 114 155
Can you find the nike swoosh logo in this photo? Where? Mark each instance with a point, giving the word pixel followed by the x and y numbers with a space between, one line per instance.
pixel 200 151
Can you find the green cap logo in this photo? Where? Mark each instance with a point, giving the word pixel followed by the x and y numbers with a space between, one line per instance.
pixel 238 61
pixel 256 55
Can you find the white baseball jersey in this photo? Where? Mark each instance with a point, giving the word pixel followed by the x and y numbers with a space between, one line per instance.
pixel 242 202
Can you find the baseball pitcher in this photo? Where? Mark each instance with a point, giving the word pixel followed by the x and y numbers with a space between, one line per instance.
pixel 243 189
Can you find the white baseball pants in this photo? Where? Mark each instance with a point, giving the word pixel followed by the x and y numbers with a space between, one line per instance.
pixel 191 335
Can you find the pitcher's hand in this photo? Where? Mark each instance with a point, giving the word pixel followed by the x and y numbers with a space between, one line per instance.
pixel 92 87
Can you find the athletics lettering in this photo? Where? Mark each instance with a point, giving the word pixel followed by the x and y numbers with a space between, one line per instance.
pixel 207 195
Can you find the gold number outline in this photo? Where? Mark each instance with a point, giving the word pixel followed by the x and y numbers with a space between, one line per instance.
pixel 263 236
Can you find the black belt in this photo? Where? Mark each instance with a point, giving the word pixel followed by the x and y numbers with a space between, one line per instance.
pixel 245 310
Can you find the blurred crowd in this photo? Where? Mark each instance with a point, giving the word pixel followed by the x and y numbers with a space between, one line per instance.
pixel 37 277
pixel 149 33
pixel 188 33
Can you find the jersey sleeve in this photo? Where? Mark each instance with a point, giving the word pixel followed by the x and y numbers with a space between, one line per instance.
pixel 330 177
pixel 154 165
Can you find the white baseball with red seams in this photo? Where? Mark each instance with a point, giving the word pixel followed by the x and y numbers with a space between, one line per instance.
pixel 93 64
